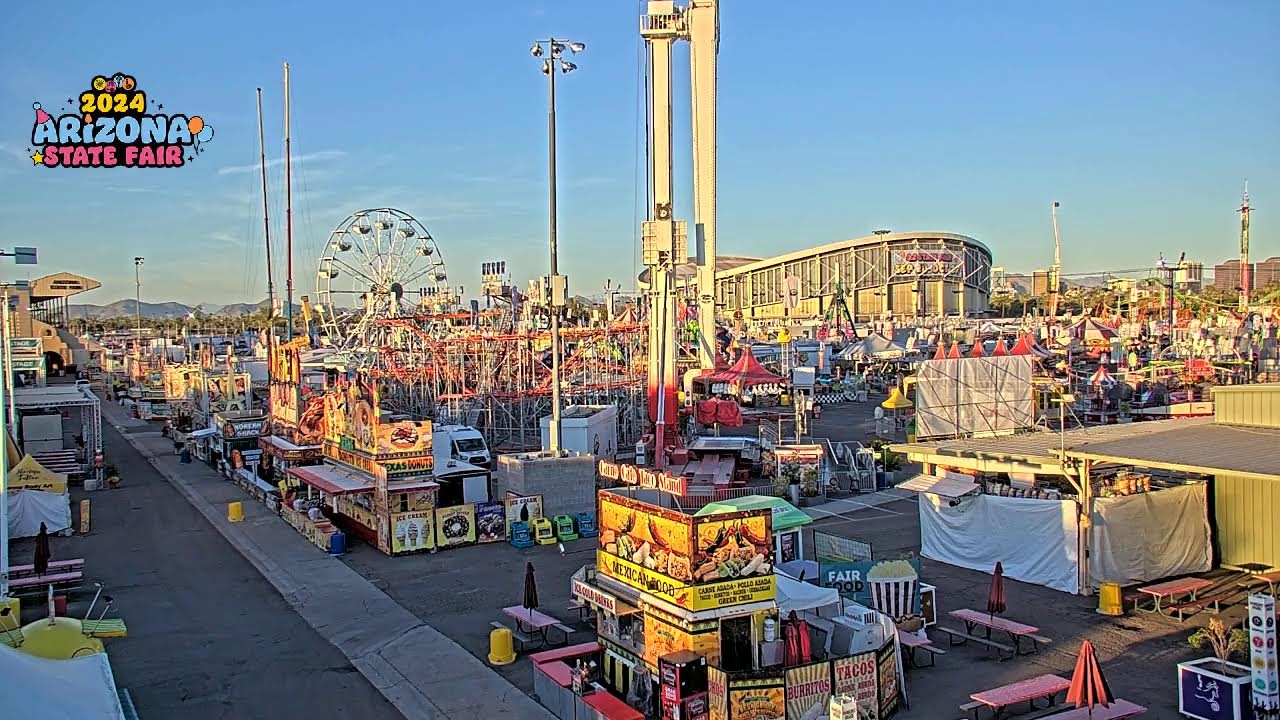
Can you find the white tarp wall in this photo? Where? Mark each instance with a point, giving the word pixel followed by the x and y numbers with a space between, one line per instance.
pixel 29 508
pixel 1037 541
pixel 974 397
pixel 1151 535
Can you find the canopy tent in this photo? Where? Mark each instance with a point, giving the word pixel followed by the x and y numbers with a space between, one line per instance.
pixel 785 515
pixel 1090 331
pixel 28 508
pixel 873 346
pixel 29 474
pixel 1101 378
pixel 802 596
pixel 746 372
pixel 73 689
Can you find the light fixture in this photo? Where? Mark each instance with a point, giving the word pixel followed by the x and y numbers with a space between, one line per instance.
pixel 556 49
pixel 566 67
pixel 577 47
pixel 536 50
pixel 546 67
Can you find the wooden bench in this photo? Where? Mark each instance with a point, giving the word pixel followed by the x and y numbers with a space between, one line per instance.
pixel 60 581
pixel 913 642
pixel 956 637
pixel 55 567
pixel 522 639
pixel 1202 604
pixel 581 608
pixel 565 630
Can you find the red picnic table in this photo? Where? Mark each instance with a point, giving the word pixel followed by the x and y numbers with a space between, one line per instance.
pixel 1044 687
pixel 1172 589
pixel 1015 630
pixel 1117 710
pixel 536 624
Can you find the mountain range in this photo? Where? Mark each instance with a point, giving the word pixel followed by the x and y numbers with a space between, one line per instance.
pixel 129 308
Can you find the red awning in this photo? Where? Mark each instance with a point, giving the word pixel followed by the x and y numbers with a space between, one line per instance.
pixel 744 373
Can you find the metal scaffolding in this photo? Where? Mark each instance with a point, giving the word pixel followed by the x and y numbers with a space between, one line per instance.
pixel 500 382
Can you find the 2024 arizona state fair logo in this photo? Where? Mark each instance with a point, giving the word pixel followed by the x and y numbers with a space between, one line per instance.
pixel 109 125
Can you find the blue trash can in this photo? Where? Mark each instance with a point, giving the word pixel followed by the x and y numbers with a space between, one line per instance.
pixel 338 544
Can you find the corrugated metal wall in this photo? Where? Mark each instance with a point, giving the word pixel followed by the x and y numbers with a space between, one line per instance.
pixel 1255 405
pixel 1247 513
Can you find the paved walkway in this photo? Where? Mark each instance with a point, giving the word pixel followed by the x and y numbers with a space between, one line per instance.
pixel 422 672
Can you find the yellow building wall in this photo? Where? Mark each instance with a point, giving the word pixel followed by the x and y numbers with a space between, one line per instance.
pixel 1246 510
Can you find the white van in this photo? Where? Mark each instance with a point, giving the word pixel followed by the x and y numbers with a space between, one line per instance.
pixel 468 445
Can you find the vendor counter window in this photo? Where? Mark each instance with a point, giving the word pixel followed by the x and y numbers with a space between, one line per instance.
pixel 625 630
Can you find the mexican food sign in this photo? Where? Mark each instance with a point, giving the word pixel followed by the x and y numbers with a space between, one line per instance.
pixel 693 563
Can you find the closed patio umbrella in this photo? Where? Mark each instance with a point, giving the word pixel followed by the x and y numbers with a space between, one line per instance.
pixel 41 560
pixel 995 598
pixel 1088 685
pixel 795 633
pixel 530 602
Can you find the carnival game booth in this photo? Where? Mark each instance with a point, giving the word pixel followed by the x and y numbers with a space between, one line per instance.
pixel 687 611
pixel 746 380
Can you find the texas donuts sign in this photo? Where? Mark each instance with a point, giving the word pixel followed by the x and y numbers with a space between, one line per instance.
pixel 114 123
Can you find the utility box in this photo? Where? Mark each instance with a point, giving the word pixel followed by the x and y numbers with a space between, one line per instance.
pixel 586 430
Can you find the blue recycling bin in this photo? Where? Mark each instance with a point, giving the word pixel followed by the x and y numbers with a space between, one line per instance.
pixel 338 543
pixel 586 525
pixel 520 536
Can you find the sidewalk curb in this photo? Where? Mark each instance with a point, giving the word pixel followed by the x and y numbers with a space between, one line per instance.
pixel 368 659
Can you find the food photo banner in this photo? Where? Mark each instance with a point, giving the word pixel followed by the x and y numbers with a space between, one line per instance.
pixel 693 563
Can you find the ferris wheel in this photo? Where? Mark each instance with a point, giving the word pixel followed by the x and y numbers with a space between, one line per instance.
pixel 377 264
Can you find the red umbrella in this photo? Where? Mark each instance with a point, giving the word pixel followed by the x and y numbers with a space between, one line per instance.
pixel 795 634
pixel 995 598
pixel 1088 685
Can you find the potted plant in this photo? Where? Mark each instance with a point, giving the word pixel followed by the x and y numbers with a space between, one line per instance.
pixel 1214 688
pixel 112 475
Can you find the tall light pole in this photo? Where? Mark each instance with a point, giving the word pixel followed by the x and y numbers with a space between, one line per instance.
pixel 558 287
pixel 137 303
pixel 21 256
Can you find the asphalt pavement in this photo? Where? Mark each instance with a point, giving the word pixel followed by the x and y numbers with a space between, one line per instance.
pixel 209 637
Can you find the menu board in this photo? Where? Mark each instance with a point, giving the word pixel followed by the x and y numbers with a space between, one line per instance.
pixel 455 525
pixel 808 690
pixel 757 700
pixel 856 676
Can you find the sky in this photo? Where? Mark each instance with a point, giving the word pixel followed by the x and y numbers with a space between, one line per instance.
pixel 1143 118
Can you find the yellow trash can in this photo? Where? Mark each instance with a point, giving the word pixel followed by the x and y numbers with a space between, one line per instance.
pixel 235 512
pixel 501 649
pixel 1110 601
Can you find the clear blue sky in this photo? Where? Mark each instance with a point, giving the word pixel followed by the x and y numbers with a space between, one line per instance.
pixel 1141 117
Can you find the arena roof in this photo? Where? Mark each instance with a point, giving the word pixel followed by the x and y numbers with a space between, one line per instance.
pixel 845 244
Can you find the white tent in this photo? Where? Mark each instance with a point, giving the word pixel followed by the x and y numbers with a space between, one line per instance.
pixel 58 689
pixel 873 346
pixel 801 596
pixel 29 508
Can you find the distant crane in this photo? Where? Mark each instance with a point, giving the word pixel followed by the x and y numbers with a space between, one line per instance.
pixel 1244 249
pixel 1055 272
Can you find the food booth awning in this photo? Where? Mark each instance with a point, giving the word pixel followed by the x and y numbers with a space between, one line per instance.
pixel 332 479
pixel 953 486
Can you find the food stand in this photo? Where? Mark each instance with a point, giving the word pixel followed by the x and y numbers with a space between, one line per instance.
pixel 687 614
pixel 297 416
pixel 237 434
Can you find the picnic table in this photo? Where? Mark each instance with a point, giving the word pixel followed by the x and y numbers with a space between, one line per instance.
pixel 1117 710
pixel 535 623
pixel 1044 687
pixel 1016 631
pixel 911 643
pixel 1257 578
pixel 1172 589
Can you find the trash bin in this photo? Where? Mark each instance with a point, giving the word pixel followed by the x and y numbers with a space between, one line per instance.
pixel 501 649
pixel 1109 600
pixel 338 543
pixel 235 512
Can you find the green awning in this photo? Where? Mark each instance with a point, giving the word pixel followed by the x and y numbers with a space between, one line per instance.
pixel 785 515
